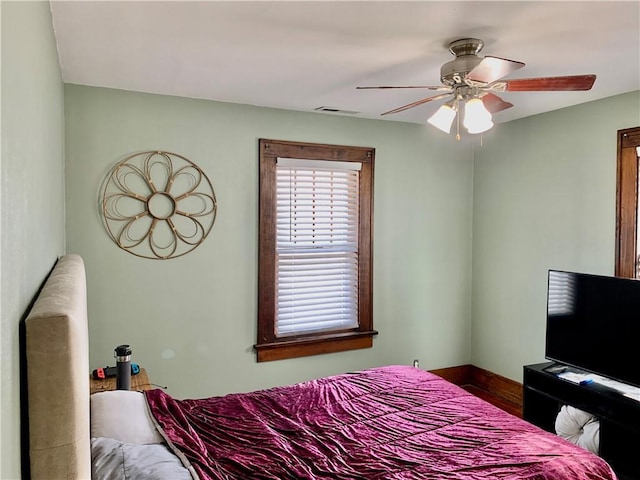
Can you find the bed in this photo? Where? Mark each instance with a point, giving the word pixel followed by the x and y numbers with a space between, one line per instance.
pixel 392 422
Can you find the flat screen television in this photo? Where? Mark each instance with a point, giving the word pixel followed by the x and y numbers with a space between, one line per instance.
pixel 593 324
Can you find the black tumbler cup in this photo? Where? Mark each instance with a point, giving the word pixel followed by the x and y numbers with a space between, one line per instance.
pixel 123 367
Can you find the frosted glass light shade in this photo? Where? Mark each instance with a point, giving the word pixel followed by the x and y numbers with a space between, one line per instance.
pixel 443 118
pixel 481 128
pixel 477 118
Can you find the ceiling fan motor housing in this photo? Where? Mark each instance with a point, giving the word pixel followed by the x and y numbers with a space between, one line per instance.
pixel 466 51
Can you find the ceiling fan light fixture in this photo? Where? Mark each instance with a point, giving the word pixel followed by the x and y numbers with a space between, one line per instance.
pixel 477 118
pixel 443 118
pixel 481 128
pixel 471 80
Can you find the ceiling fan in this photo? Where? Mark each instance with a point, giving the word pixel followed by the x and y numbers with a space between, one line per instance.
pixel 470 81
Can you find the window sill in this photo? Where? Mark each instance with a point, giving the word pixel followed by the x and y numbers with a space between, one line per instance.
pixel 306 346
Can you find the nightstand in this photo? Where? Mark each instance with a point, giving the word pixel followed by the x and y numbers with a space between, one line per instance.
pixel 139 382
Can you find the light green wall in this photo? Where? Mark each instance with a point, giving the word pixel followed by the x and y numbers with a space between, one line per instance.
pixel 32 191
pixel 191 321
pixel 544 198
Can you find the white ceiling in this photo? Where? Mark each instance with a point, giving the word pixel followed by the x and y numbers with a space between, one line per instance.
pixel 300 55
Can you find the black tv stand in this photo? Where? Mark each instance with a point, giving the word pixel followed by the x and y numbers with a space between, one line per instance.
pixel 545 393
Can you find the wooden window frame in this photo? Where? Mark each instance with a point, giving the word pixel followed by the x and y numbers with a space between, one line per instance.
pixel 627 202
pixel 269 346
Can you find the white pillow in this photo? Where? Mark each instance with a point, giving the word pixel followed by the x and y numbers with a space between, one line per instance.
pixel 114 460
pixel 124 416
pixel 579 427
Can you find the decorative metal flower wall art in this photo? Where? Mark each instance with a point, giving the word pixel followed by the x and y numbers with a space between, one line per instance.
pixel 158 205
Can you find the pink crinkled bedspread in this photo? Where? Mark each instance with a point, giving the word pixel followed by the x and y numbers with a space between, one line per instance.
pixel 384 423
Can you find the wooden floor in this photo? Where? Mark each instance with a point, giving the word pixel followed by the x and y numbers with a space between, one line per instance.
pixel 507 406
pixel 491 387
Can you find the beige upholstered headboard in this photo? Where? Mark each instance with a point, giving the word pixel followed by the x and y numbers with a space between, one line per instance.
pixel 57 375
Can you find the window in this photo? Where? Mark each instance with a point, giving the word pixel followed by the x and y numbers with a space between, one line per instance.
pixel 315 255
pixel 627 264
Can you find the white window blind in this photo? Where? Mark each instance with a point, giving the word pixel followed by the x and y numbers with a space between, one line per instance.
pixel 316 246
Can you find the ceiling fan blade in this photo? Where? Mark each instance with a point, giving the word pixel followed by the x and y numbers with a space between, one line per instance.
pixel 549 84
pixel 428 87
pixel 415 104
pixel 491 69
pixel 494 103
